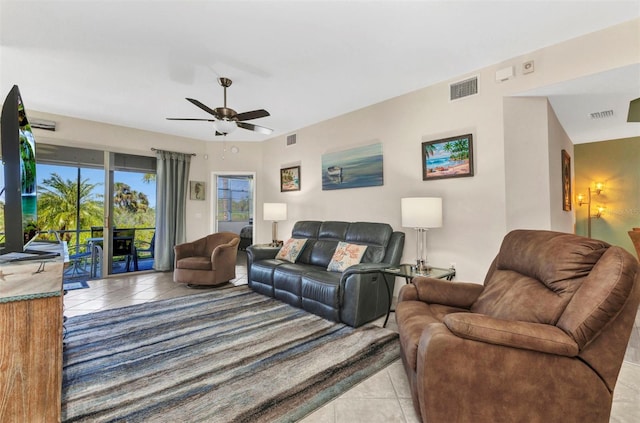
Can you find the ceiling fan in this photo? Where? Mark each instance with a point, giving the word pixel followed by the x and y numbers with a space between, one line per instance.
pixel 226 120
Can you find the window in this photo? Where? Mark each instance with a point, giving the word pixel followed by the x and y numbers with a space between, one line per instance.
pixel 234 199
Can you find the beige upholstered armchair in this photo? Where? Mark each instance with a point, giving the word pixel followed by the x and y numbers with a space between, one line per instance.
pixel 207 261
pixel 542 340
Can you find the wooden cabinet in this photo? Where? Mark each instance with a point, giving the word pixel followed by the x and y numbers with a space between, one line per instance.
pixel 31 341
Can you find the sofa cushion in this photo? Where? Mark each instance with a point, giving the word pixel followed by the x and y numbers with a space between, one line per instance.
pixel 510 295
pixel 287 283
pixel 291 249
pixel 375 235
pixel 194 263
pixel 346 255
pixel 262 275
pixel 306 229
pixel 553 258
pixel 535 275
pixel 321 251
pixel 321 286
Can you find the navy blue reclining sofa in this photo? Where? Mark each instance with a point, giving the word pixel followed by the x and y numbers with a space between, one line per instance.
pixel 355 296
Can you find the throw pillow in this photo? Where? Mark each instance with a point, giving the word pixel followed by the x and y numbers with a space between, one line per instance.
pixel 291 249
pixel 346 255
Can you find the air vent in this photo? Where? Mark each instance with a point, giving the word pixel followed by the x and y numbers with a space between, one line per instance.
pixel 291 139
pixel 463 88
pixel 49 125
pixel 601 115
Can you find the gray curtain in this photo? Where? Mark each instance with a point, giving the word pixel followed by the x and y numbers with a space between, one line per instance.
pixel 172 184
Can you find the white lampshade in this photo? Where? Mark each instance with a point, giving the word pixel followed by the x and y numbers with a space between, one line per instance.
pixel 274 211
pixel 421 212
pixel 225 126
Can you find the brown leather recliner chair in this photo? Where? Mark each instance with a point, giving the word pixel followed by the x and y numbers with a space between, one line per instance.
pixel 207 261
pixel 542 340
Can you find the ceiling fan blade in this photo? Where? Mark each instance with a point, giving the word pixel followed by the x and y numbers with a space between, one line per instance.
pixel 202 106
pixel 256 128
pixel 254 114
pixel 204 120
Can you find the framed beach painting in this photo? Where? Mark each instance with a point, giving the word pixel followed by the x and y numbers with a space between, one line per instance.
pixel 566 181
pixel 447 158
pixel 353 168
pixel 290 179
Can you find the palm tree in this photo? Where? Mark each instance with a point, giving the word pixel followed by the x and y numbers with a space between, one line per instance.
pixel 429 149
pixel 148 177
pixel 129 200
pixel 57 200
pixel 460 150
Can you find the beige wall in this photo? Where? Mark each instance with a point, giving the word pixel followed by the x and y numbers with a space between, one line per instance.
pixel 477 210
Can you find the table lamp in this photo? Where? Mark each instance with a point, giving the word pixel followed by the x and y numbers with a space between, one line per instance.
pixel 421 213
pixel 274 212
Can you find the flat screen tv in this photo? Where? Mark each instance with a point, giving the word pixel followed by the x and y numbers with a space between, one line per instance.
pixel 19 162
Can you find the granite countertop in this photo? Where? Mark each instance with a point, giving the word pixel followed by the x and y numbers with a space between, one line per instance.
pixel 25 280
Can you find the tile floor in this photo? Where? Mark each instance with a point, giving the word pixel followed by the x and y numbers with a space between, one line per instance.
pixel 384 397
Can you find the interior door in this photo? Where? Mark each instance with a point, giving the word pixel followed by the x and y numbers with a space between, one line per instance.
pixel 234 202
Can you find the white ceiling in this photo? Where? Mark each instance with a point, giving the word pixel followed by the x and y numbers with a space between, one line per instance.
pixel 132 63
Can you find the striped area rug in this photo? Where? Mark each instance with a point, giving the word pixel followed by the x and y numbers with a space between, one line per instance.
pixel 228 355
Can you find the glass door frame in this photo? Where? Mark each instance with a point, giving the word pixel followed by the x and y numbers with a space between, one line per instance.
pixel 214 196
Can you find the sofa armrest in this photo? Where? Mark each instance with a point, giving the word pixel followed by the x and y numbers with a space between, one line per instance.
pixel 261 252
pixel 364 268
pixel 439 291
pixel 510 333
pixel 184 250
pixel 225 254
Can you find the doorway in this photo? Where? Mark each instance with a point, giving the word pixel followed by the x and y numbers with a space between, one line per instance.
pixel 233 204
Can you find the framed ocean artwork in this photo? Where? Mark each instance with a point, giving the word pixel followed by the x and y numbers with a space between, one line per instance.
pixel 447 158
pixel 353 168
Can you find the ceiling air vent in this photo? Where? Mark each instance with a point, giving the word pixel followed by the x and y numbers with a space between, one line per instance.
pixel 291 139
pixel 601 115
pixel 49 125
pixel 463 88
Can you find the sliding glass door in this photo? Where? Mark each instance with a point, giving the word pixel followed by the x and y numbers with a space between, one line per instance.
pixel 72 186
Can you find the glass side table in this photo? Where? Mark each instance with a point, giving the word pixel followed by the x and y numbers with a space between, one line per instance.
pixel 408 272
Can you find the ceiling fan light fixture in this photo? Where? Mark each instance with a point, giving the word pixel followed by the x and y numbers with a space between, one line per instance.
pixel 634 111
pixel 225 126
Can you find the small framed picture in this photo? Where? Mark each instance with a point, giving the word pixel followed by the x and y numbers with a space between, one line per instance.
pixel 566 181
pixel 196 190
pixel 447 158
pixel 290 179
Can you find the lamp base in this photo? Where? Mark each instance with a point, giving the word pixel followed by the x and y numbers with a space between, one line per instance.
pixel 276 243
pixel 422 266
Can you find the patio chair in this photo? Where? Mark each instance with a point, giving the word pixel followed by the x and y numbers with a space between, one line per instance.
pixel 123 245
pixel 149 249
pixel 79 261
